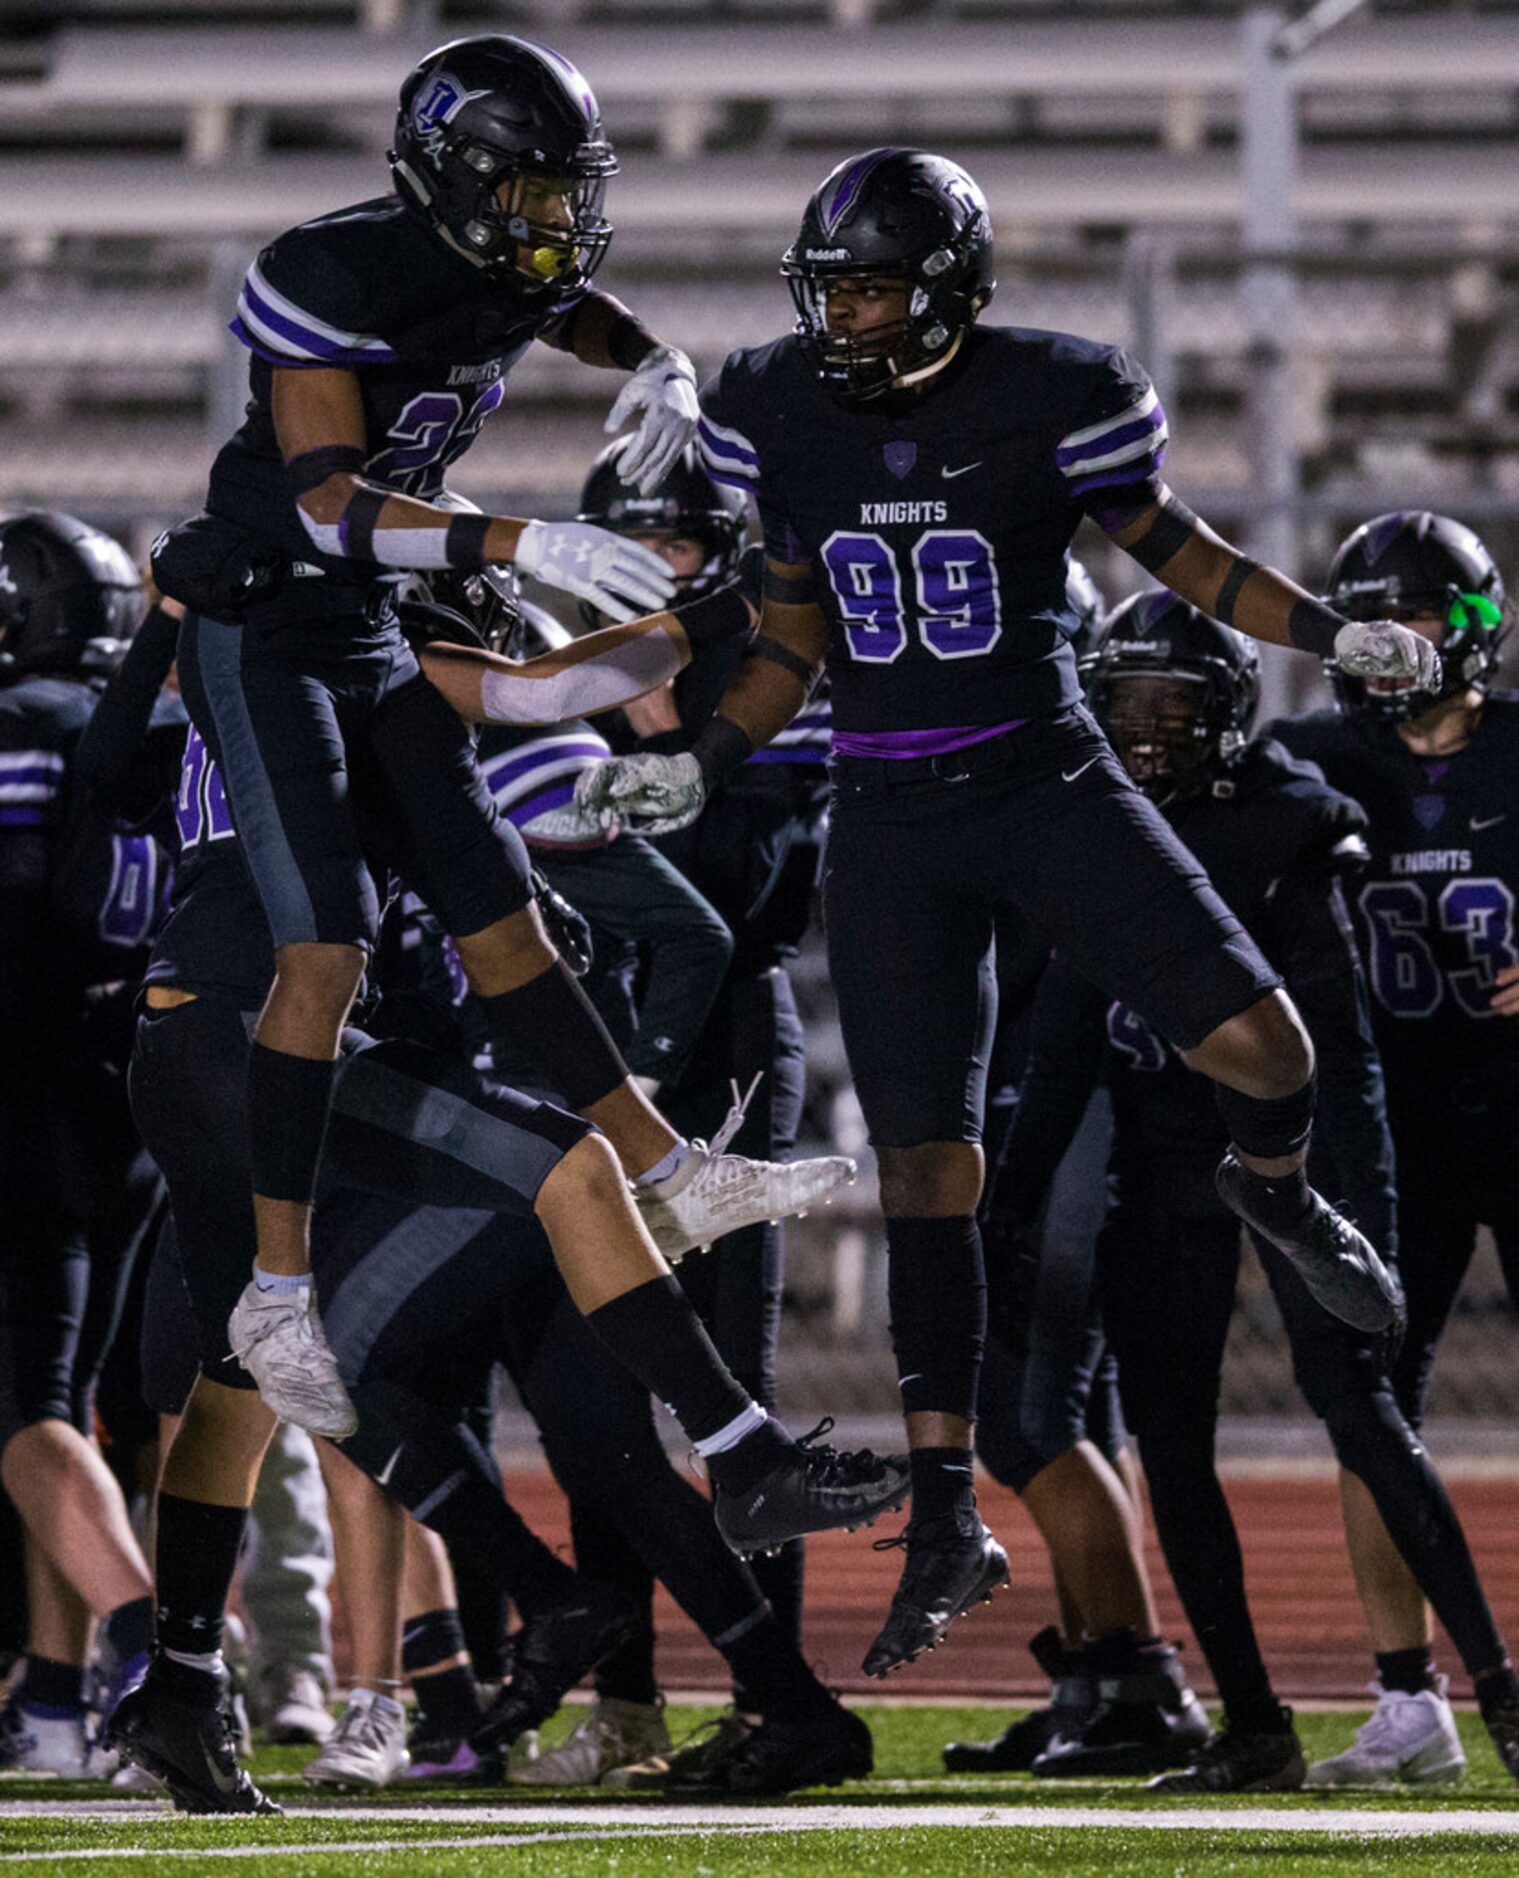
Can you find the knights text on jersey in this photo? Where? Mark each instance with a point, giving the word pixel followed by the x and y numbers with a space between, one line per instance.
pixel 940 536
pixel 430 337
pixel 1435 912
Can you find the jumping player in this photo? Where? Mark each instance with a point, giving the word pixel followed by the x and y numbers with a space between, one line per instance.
pixel 920 480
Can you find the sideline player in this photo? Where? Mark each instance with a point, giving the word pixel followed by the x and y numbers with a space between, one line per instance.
pixel 1176 694
pixel 79 897
pixel 920 480
pixel 382 336
pixel 1436 769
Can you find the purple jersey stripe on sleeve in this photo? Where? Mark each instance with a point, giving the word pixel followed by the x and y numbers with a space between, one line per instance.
pixel 721 445
pixel 502 774
pixel 731 479
pixel 31 817
pixel 520 813
pixel 1111 439
pixel 256 346
pixel 1140 470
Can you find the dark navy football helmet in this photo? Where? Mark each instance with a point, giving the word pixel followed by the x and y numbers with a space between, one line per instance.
pixel 1175 692
pixel 1412 564
pixel 899 214
pixel 70 597
pixel 492 110
pixel 685 501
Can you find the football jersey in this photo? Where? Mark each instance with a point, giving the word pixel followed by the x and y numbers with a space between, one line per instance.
pixel 108 882
pixel 1435 911
pixel 939 530
pixel 430 336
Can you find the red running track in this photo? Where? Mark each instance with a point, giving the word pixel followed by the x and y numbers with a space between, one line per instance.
pixel 1299 1581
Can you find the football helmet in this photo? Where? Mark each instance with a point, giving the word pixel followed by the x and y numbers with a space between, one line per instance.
pixel 685 501
pixel 1175 692
pixel 1409 564
pixel 478 609
pixel 900 214
pixel 70 596
pixel 494 110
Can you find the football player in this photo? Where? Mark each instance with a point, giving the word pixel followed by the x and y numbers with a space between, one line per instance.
pixel 1176 694
pixel 407 1121
pixel 920 479
pixel 1435 767
pixel 79 896
pixel 381 338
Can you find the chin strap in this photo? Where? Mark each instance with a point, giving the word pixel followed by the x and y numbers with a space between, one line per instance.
pixel 928 371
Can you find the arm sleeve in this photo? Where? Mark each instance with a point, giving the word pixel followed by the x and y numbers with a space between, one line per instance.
pixel 1118 438
pixel 1067 1038
pixel 1312 944
pixel 634 893
pixel 299 306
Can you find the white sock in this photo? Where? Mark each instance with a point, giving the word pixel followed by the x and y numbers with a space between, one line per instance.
pixel 209 1662
pixel 731 1433
pixel 665 1166
pixel 281 1284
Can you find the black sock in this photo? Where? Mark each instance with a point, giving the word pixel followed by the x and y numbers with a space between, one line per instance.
pixel 431 1637
pixel 1497 1689
pixel 448 1700
pixel 943 1485
pixel 1408 1671
pixel 628 1673
pixel 770 1675
pixel 52 1687
pixel 1268 1128
pixel 1261 1715
pixel 1280 1201
pixel 936 1283
pixel 130 1628
pixel 288 1102
pixel 782 1579
pixel 655 1334
pixel 195 1556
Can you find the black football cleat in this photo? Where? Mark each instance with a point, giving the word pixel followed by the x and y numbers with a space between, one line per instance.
pixel 553 1651
pixel 948 1570
pixel 186 1743
pixel 1502 1724
pixel 812 1488
pixel 1235 1762
pixel 820 1747
pixel 1337 1264
pixel 1146 1720
pixel 1073 1696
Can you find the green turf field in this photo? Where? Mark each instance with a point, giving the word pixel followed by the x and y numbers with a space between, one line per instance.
pixel 910 1819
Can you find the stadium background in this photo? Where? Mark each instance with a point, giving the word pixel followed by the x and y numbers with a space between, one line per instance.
pixel 1313 246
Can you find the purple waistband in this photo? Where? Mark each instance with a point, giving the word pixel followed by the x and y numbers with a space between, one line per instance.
pixel 894 744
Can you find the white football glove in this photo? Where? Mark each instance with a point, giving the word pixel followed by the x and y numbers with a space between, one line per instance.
pixel 1384 649
pixel 619 577
pixel 653 795
pixel 664 390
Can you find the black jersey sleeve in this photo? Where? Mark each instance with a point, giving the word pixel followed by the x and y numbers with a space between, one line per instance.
pixel 304 304
pixel 731 437
pixel 1117 434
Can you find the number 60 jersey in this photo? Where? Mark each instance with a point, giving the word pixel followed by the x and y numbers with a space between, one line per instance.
pixel 1435 913
pixel 939 526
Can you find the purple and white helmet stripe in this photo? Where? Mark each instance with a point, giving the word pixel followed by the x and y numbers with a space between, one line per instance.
pixel 847 190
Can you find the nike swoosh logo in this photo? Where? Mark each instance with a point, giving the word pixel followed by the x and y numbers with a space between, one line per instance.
pixel 965 469
pixel 1070 775
pixel 382 1479
pixel 1487 821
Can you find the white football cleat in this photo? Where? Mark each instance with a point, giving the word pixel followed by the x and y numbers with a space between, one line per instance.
pixel 610 1734
pixel 51 1744
pixel 277 1337
pixel 367 1748
pixel 712 1193
pixel 294 1708
pixel 1408 1738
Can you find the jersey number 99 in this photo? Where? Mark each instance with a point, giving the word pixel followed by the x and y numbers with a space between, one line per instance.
pixel 956 608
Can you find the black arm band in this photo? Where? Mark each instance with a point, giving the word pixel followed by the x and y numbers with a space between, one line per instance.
pixel 789 589
pixel 720 749
pixel 764 647
pixel 1312 626
pixel 311 468
pixel 628 341
pixel 1167 535
pixel 715 618
pixel 1228 594
pixel 359 520
pixel 464 543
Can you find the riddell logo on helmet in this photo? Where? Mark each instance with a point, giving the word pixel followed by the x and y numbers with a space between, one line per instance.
pixel 829 254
